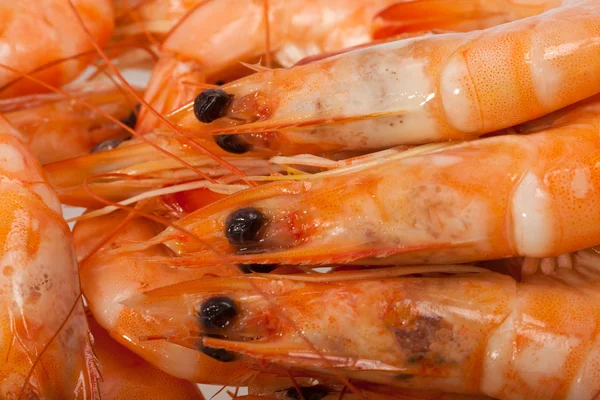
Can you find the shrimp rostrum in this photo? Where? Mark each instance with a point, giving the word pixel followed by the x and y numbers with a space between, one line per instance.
pixel 462 330
pixel 412 91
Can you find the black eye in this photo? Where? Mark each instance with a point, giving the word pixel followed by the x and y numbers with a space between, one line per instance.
pixel 232 144
pixel 242 226
pixel 217 312
pixel 210 104
pixel 308 393
pixel 131 119
pixel 258 268
pixel 109 144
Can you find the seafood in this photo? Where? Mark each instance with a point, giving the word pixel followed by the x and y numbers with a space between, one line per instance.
pixel 505 196
pixel 107 280
pixel 126 376
pixel 45 37
pixel 44 340
pixel 296 29
pixel 472 332
pixel 289 31
pixel 56 129
pixel 412 91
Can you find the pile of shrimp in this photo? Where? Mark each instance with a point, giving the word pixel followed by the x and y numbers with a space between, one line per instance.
pixel 304 200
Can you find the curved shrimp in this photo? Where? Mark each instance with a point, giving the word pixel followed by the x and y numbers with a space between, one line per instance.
pixel 37 34
pixel 56 129
pixel 514 195
pixel 126 376
pixel 44 339
pixel 298 29
pixel 107 279
pixel 411 91
pixel 478 333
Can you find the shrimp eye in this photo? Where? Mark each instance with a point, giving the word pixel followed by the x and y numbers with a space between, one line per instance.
pixel 218 354
pixel 243 226
pixel 232 144
pixel 217 312
pixel 308 393
pixel 258 268
pixel 109 144
pixel 131 119
pixel 210 104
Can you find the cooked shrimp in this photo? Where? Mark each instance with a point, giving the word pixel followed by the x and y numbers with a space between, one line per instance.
pixel 37 34
pixel 44 340
pixel 296 29
pixel 108 280
pixel 57 129
pixel 126 376
pixel 504 196
pixel 412 91
pixel 478 333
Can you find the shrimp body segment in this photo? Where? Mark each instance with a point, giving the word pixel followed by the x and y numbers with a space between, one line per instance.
pixel 44 340
pixel 470 333
pixel 529 195
pixel 418 90
pixel 36 33
pixel 298 28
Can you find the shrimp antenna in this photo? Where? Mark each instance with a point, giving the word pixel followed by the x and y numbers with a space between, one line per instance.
pixel 268 59
pixel 168 123
pixel 53 63
pixel 232 168
pixel 111 118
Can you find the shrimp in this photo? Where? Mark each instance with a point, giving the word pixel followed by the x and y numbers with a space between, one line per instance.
pixel 44 340
pixel 126 376
pixel 413 91
pixel 293 30
pixel 529 195
pixel 472 332
pixel 55 128
pixel 44 36
pixel 107 280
